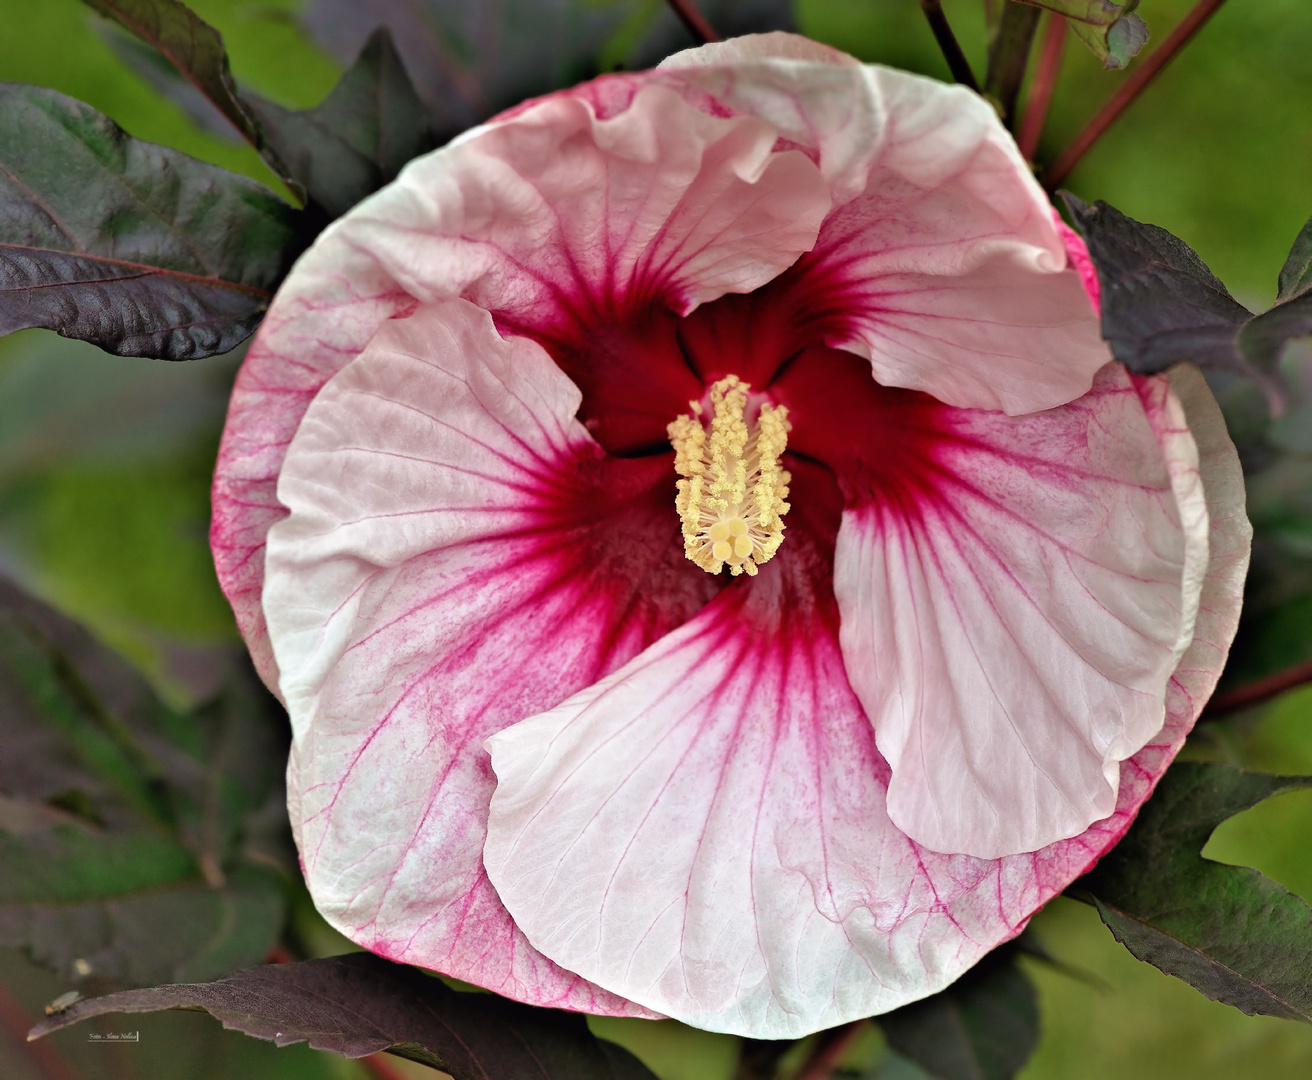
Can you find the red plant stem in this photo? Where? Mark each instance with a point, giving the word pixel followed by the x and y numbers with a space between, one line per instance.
pixel 825 1057
pixel 948 44
pixel 1129 91
pixel 1257 692
pixel 1045 82
pixel 15 1018
pixel 694 20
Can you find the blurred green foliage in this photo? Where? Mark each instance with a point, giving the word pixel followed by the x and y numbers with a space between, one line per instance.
pixel 55 43
pixel 105 466
pixel 1127 1020
pixel 105 462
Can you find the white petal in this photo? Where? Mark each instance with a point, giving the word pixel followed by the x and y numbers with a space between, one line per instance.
pixel 454 559
pixel 703 831
pixel 558 209
pixel 1012 626
pixel 941 262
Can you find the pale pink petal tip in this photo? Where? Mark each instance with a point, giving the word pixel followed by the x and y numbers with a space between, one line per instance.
pixel 1078 253
pixel 942 250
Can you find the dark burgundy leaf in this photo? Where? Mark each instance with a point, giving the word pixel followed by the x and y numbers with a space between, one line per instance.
pixel 984 1026
pixel 137 843
pixel 1160 302
pixel 358 139
pixel 1264 338
pixel 359 1004
pixel 193 46
pixel 1161 305
pixel 1231 933
pixel 196 49
pixel 170 1045
pixel 190 930
pixel 1199 967
pixel 1296 274
pixel 134 247
pixel 165 79
pixel 470 59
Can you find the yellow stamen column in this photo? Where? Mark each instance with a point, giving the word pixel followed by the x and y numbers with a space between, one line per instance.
pixel 732 495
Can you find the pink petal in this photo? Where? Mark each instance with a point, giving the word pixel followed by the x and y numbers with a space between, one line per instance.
pixel 941 262
pixel 1081 261
pixel 459 554
pixel 323 315
pixel 1229 542
pixel 559 209
pixel 546 216
pixel 577 231
pixel 746 50
pixel 816 97
pixel 482 601
pixel 948 271
pixel 1012 614
pixel 704 831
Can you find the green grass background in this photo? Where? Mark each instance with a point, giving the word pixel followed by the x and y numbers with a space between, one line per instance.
pixel 105 462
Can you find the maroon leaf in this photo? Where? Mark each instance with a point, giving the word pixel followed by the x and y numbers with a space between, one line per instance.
pixel 134 247
pixel 196 49
pixel 137 843
pixel 1229 932
pixel 359 1004
pixel 358 138
pixel 470 59
pixel 193 46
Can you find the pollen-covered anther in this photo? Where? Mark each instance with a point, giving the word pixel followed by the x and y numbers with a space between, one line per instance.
pixel 733 492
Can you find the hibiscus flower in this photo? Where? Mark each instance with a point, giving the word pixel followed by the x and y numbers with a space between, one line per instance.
pixel 711 564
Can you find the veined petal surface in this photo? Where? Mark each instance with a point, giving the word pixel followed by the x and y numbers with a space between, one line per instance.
pixel 705 831
pixel 670 188
pixel 323 316
pixel 561 215
pixel 1014 607
pixel 941 262
pixel 816 97
pixel 1229 544
pixel 705 827
pixel 559 211
pixel 459 554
